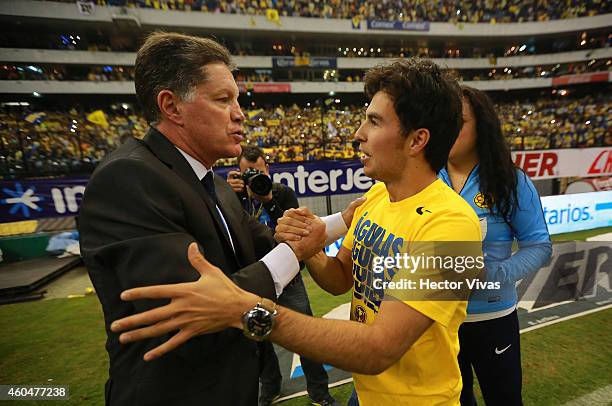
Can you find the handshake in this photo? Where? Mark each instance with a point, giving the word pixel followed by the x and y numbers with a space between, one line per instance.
pixel 306 233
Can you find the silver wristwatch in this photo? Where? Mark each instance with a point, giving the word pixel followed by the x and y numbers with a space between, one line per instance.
pixel 257 323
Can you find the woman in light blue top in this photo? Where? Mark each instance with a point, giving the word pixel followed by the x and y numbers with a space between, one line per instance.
pixel 481 170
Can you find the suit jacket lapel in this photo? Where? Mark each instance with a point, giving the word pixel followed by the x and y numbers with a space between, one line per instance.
pixel 167 153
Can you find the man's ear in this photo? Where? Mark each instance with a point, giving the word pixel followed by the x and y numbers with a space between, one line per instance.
pixel 168 104
pixel 418 140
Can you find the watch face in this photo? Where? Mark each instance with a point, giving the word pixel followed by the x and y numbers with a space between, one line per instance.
pixel 259 322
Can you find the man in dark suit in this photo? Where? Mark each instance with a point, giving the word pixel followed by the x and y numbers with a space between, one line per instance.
pixel 149 199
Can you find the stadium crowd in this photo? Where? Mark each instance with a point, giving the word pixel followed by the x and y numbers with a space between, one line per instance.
pixel 558 123
pixel 508 73
pixel 54 142
pixel 119 73
pixel 66 72
pixel 469 11
pixel 576 68
pixel 296 134
pixel 97 40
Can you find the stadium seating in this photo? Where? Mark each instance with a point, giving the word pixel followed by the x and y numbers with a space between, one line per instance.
pixel 120 73
pixel 472 11
pixel 56 143
pixel 67 142
pixel 41 139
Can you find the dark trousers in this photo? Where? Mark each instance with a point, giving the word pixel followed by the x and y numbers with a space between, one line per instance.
pixel 493 349
pixel 294 297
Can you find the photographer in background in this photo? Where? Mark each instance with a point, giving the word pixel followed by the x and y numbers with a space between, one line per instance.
pixel 260 197
pixel 267 201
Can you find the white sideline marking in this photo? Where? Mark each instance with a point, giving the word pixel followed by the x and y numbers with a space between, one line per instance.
pixel 602 396
pixel 601 237
pixel 304 393
pixel 572 316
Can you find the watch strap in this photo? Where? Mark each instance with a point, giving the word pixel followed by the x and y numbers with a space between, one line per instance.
pixel 268 304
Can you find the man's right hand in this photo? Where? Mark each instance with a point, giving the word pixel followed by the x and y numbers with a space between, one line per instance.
pixel 308 235
pixel 234 178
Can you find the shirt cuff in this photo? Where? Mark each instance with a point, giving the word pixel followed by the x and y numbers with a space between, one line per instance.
pixel 283 266
pixel 335 227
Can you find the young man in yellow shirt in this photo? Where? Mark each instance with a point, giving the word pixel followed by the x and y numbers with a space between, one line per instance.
pixel 403 349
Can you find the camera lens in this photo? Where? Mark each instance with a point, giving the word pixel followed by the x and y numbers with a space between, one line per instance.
pixel 260 184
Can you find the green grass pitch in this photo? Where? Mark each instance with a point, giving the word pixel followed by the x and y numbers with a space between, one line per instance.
pixel 61 342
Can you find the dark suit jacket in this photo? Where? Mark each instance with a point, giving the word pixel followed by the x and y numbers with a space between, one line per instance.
pixel 142 207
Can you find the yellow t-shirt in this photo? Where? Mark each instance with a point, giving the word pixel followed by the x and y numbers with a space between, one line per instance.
pixel 428 373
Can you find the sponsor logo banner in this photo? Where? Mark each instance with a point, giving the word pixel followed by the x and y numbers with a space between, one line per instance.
pixel 308 62
pixel 563 163
pixel 398 25
pixel 578 272
pixel 581 211
pixel 244 87
pixel 318 177
pixel 592 77
pixel 32 199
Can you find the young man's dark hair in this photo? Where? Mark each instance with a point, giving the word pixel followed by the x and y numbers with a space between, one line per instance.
pixel 175 62
pixel 251 153
pixel 424 97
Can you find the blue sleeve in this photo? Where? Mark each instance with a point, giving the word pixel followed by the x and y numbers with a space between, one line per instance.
pixel 529 229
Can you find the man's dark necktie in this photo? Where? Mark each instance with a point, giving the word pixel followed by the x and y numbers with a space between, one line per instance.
pixel 209 185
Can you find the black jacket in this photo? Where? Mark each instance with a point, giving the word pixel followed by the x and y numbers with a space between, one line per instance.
pixel 142 207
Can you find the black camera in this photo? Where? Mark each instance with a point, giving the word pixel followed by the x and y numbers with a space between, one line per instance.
pixel 259 182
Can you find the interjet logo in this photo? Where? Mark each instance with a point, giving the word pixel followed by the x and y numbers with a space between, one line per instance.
pixel 21 200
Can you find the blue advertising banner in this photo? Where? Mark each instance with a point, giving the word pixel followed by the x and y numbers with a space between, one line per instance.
pixel 33 199
pixel 398 25
pixel 318 177
pixel 306 61
pixel 576 212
